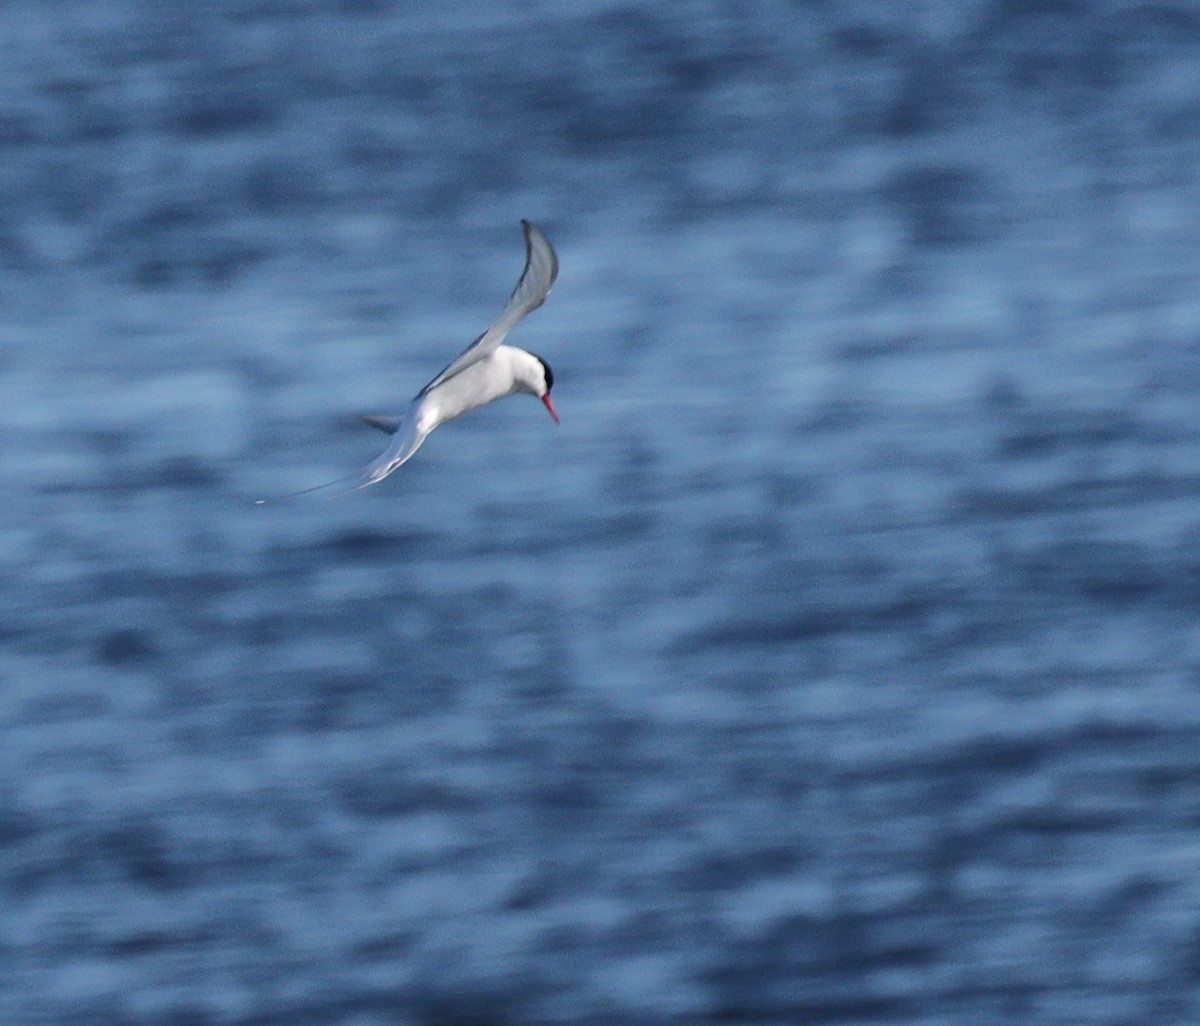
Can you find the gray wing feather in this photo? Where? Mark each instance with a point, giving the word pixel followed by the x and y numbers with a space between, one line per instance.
pixel 541 268
pixel 405 442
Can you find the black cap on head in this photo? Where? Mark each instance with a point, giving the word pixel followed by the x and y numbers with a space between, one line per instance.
pixel 548 372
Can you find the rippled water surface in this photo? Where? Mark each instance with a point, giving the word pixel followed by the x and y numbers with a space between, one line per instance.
pixel 835 662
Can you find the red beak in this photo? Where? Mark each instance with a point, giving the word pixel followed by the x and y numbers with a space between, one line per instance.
pixel 550 406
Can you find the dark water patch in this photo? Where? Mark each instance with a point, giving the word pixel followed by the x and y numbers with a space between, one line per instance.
pixel 224 101
pixel 988 759
pixel 436 1006
pixel 1071 431
pixel 21 127
pixel 141 854
pixel 182 472
pixel 387 947
pixel 85 111
pixel 355 548
pixel 18 826
pixel 1124 762
pixel 856 943
pixel 535 891
pixel 945 206
pixel 786 490
pixel 179 244
pixel 306 628
pixel 110 442
pixel 364 544
pixel 1041 49
pixel 753 1009
pixel 623 527
pixel 879 347
pixel 835 416
pixel 207 262
pixel 898 280
pixel 594 114
pixel 745 534
pixel 541 538
pixel 66 707
pixel 1178 784
pixel 908 609
pixel 796 966
pixel 280 185
pixel 310 702
pixel 145 581
pixel 935 95
pixel 1002 395
pixel 1108 572
pixel 957 778
pixel 1049 823
pixel 724 871
pixel 1148 26
pixel 1122 905
pixel 570 797
pixel 394 792
pixel 637 475
pixel 127 646
pixel 150 942
pixel 1090 493
pixel 361 700
pixel 862 40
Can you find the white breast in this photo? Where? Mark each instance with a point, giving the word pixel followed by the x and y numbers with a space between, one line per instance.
pixel 481 383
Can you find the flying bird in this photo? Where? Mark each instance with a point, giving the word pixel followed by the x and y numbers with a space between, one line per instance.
pixel 485 371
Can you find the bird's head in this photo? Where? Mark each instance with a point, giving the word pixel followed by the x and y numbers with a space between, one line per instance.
pixel 541 388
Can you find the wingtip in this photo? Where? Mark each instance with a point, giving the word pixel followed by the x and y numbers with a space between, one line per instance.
pixel 534 235
pixel 530 229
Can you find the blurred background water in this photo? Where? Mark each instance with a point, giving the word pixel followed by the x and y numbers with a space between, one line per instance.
pixel 835 662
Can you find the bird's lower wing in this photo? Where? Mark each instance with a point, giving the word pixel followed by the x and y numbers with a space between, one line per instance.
pixel 406 440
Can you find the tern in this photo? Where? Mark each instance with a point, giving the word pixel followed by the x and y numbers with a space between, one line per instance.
pixel 485 371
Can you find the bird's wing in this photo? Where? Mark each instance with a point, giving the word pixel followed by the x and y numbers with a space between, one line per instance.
pixel 407 436
pixel 406 440
pixel 541 268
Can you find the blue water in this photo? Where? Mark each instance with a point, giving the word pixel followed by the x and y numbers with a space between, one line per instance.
pixel 836 661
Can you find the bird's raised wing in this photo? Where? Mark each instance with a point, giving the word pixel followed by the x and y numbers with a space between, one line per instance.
pixel 541 268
